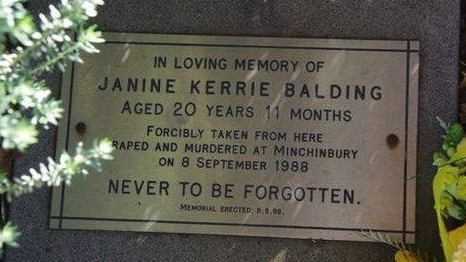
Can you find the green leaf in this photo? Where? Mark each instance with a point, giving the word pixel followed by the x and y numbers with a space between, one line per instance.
pixel 26 24
pixel 441 179
pixel 456 212
pixel 17 133
pixel 449 150
pixel 9 234
pixel 448 176
pixel 443 124
pixel 461 189
pixel 446 202
pixel 440 159
pixel 454 135
pixel 460 152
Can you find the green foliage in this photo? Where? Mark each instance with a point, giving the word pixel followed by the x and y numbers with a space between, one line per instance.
pixel 400 246
pixel 449 190
pixel 383 238
pixel 449 185
pixel 450 179
pixel 27 51
pixel 8 236
pixel 56 173
pixel 25 101
pixel 453 136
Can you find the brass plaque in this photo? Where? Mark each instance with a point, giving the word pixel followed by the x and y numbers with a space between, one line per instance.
pixel 279 137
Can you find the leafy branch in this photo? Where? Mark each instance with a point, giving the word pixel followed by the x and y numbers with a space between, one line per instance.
pixel 404 253
pixel 56 173
pixel 27 51
pixel 39 50
pixel 383 238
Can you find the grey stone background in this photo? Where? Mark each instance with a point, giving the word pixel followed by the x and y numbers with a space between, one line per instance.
pixel 434 22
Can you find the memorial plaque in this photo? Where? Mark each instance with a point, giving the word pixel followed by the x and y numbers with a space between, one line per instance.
pixel 280 137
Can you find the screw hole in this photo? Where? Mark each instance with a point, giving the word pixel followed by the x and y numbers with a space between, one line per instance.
pixel 392 141
pixel 81 128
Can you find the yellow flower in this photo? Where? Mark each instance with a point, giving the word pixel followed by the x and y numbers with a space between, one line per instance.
pixel 458 240
pixel 460 254
pixel 405 256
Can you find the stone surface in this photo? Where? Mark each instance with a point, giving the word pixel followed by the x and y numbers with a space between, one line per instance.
pixel 434 23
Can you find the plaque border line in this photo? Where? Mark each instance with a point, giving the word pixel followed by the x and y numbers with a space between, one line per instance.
pixel 70 101
pixel 230 224
pixel 407 50
pixel 405 167
pixel 403 50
